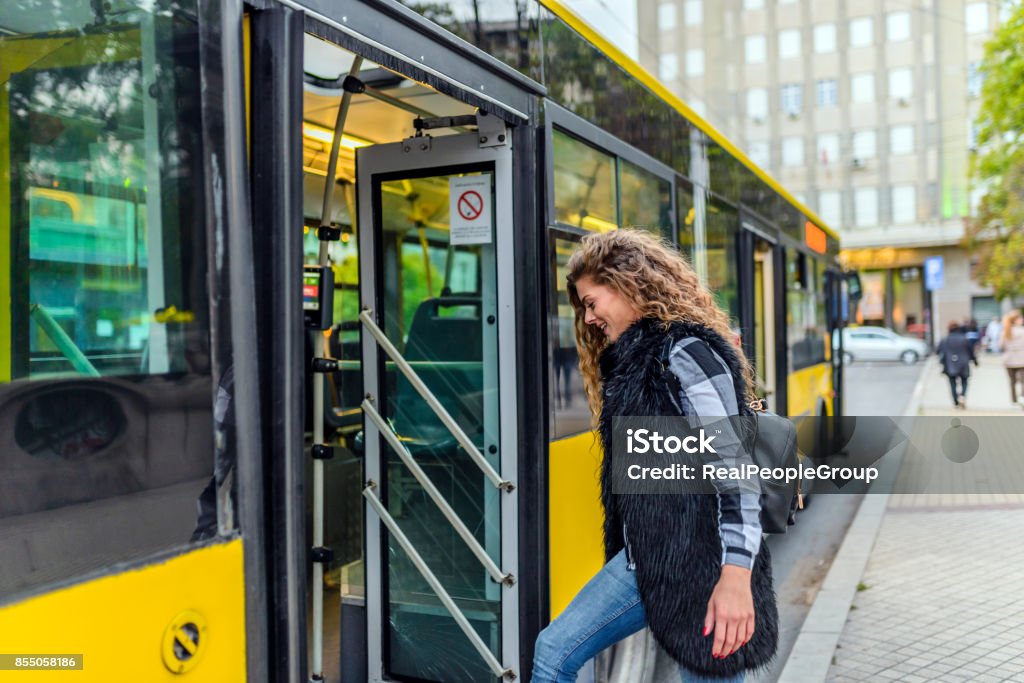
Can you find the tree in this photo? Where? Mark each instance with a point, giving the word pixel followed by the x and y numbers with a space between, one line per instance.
pixel 996 234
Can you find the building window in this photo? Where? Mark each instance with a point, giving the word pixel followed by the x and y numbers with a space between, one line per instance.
pixel 754 48
pixel 864 144
pixel 668 67
pixel 830 207
pixel 793 151
pixel 901 83
pixel 695 62
pixel 757 104
pixel 753 4
pixel 904 204
pixel 862 32
pixel 792 98
pixel 862 87
pixel 976 17
pixel 824 38
pixel 827 92
pixel 865 207
pixel 667 16
pixel 975 79
pixel 789 43
pixel 761 154
pixel 897 26
pixel 828 148
pixel 901 140
pixel 693 12
pixel 1006 11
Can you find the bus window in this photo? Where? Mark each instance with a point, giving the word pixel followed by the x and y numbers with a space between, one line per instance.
pixel 105 370
pixel 646 200
pixel 805 310
pixel 89 218
pixel 686 219
pixel 585 185
pixel 570 411
pixel 722 225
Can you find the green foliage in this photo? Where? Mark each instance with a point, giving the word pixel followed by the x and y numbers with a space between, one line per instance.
pixel 996 234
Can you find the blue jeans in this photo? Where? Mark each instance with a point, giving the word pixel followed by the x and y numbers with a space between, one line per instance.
pixel 607 610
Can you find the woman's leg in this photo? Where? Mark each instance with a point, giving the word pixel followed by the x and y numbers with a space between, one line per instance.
pixel 687 676
pixel 1012 372
pixel 604 612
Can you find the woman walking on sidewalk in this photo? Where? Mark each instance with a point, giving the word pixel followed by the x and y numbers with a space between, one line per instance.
pixel 1013 358
pixel 956 353
pixel 691 567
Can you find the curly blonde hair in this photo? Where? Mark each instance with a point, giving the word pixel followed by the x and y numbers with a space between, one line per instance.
pixel 656 279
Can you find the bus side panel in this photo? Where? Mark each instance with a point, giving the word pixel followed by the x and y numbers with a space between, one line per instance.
pixel 117 623
pixel 807 388
pixel 575 516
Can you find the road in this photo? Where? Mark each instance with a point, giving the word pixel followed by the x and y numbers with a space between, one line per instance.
pixel 802 557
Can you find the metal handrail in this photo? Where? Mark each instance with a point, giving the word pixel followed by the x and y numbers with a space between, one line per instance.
pixel 496 573
pixel 366 316
pixel 492 663
pixel 61 340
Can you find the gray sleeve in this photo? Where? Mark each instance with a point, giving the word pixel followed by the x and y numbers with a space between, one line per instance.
pixel 708 392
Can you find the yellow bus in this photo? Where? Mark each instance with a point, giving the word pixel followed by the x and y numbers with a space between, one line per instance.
pixel 215 471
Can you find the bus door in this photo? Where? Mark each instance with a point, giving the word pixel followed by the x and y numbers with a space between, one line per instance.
pixel 760 312
pixel 438 341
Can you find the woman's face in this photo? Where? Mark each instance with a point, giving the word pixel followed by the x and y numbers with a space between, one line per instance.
pixel 605 308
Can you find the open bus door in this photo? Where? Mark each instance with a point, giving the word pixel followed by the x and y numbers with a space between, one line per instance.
pixel 437 311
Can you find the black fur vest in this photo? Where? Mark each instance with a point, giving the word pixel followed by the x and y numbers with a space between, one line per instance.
pixel 674 539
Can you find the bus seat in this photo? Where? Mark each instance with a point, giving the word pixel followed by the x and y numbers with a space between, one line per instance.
pixel 446 351
pixel 436 337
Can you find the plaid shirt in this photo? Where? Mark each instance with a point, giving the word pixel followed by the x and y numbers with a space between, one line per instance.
pixel 707 390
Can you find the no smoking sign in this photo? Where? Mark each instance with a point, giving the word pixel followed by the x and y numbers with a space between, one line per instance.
pixel 470 209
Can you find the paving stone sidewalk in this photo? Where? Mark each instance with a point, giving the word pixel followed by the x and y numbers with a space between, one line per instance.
pixel 942 595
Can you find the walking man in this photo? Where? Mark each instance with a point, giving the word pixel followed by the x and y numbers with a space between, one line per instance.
pixel 956 353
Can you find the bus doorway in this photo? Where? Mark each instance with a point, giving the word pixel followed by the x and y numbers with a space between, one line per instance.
pixel 764 317
pixel 417 412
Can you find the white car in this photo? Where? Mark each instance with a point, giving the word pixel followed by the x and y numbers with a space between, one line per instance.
pixel 879 343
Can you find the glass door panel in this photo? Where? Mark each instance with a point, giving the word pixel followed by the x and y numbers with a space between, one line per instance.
pixel 437 299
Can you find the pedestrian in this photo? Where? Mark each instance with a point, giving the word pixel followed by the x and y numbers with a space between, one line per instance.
pixel 993 335
pixel 956 353
pixel 690 567
pixel 1013 358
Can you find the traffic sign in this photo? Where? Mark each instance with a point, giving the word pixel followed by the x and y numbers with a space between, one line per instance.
pixel 934 275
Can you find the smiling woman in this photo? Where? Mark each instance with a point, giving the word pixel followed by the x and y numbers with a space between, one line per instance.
pixel 606 308
pixel 637 300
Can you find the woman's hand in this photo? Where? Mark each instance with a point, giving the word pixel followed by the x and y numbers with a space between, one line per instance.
pixel 730 611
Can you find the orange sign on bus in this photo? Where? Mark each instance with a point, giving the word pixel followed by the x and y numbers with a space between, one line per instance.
pixel 814 237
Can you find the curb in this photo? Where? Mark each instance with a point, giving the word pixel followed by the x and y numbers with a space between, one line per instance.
pixel 811 656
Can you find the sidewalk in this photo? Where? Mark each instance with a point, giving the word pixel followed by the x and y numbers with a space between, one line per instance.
pixel 925 587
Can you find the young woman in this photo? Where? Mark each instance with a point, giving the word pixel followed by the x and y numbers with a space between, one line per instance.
pixel 1013 353
pixel 652 341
